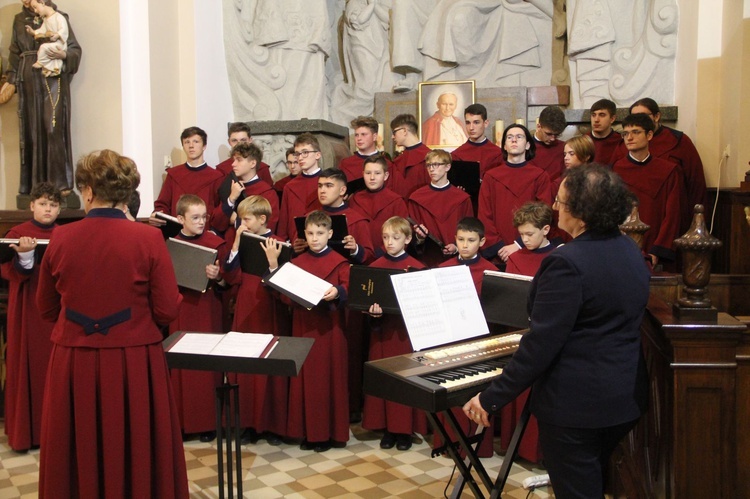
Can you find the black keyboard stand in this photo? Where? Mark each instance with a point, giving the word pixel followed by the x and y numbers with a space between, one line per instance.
pixel 228 410
pixel 465 465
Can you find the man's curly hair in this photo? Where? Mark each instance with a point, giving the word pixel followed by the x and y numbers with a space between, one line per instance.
pixel 597 196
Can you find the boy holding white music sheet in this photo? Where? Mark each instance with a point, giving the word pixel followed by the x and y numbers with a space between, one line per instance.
pixel 388 338
pixel 201 312
pixel 469 239
pixel 29 346
pixel 318 397
pixel 263 405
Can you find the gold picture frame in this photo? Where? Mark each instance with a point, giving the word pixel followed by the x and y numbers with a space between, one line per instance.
pixel 435 100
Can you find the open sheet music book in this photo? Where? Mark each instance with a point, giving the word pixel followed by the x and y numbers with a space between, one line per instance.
pixel 299 285
pixel 439 306
pixel 189 261
pixel 231 344
pixel 504 298
pixel 7 253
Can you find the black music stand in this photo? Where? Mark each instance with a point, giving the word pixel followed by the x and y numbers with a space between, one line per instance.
pixel 285 359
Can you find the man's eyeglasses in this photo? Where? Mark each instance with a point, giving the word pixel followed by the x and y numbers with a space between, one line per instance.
pixel 434 165
pixel 304 153
pixel 518 137
pixel 557 201
pixel 396 130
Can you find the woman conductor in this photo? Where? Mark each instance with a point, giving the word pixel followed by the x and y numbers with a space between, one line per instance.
pixel 109 425
pixel 582 353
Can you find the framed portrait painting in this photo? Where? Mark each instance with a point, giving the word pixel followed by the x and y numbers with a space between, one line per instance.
pixel 441 112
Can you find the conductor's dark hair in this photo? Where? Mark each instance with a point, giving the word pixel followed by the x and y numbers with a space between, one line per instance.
pixel 531 152
pixel 194 130
pixel 471 224
pixel 553 118
pixel 46 190
pixel 597 196
pixel 648 103
pixel 477 110
pixel 134 204
pixel 638 119
pixel 239 126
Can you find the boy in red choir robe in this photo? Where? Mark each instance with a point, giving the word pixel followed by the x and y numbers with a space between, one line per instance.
pixel 28 344
pixel 478 147
pixel 191 177
pixel 293 166
pixel 549 150
pixel 657 183
pixel 469 239
pixel 606 140
pixel 301 194
pixel 245 182
pixel 533 221
pixel 318 397
pixel 194 390
pixel 239 133
pixel 263 398
pixel 388 338
pixel 377 202
pixel 506 188
pixel 366 141
pixel 408 173
pixel 437 208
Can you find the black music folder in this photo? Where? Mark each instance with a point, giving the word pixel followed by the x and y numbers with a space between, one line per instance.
pixel 358 184
pixel 189 261
pixel 253 258
pixel 368 285
pixel 340 231
pixel 430 237
pixel 173 226
pixel 504 298
pixel 465 174
pixel 7 253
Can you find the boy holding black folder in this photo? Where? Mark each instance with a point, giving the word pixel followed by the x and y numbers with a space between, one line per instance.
pixel 377 202
pixel 388 338
pixel 202 312
pixel 243 181
pixel 438 207
pixel 469 239
pixel 263 405
pixel 29 346
pixel 318 397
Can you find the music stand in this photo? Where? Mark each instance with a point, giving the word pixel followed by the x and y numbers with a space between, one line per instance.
pixel 285 359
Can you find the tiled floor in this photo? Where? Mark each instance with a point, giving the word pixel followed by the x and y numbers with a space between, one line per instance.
pixel 361 469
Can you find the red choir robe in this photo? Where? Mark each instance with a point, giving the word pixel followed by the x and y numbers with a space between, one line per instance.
pixel 604 148
pixel 220 218
pixel 524 262
pixel 550 157
pixel 263 399
pixel 378 206
pixel 281 183
pixel 200 312
pixel 318 396
pixel 504 190
pixel 359 228
pixel 408 172
pixel 353 166
pixel 263 170
pixel 439 209
pixel 300 198
pixel 658 185
pixel 203 181
pixel 388 338
pixel 109 424
pixel 486 153
pixel 28 345
pixel 477 266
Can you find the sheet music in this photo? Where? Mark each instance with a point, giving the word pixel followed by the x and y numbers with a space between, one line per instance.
pixel 232 344
pixel 439 306
pixel 307 286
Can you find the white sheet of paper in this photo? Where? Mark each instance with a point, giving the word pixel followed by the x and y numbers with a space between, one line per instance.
pixel 439 306
pixel 232 344
pixel 200 343
pixel 309 287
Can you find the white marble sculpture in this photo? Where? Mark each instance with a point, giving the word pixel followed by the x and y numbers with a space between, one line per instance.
pixel 621 50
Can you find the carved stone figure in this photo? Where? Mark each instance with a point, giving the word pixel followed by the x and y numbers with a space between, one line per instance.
pixel 43 104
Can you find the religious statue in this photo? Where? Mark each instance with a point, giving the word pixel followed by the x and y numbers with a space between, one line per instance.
pixel 43 101
pixel 55 29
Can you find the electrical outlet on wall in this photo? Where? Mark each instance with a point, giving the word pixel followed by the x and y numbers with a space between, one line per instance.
pixel 727 151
